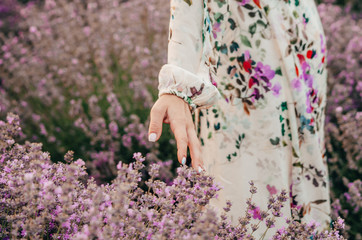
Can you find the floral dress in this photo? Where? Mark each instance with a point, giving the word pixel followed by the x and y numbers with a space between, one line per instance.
pixel 254 73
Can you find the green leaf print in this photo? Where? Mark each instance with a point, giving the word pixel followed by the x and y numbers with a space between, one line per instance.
pixel 260 22
pixel 298 164
pixel 281 118
pixel 319 201
pixel 283 129
pixel 219 17
pixel 257 43
pixel 189 2
pixel 252 29
pixel 295 14
pixel 210 135
pixel 275 141
pixel 278 71
pixel 220 3
pixel 242 136
pixel 245 41
pixel 284 106
pixel 295 154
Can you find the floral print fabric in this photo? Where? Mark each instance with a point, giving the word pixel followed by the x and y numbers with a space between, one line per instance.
pixel 267 61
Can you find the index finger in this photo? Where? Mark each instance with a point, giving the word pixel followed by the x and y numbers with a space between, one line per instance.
pixel 156 120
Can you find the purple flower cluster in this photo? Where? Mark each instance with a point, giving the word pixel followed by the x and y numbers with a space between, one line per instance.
pixel 41 199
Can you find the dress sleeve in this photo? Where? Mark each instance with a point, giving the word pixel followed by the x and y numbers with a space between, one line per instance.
pixel 190 72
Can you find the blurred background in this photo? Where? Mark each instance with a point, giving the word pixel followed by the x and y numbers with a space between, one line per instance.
pixel 82 76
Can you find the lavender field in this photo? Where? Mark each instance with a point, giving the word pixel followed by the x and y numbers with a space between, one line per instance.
pixel 77 81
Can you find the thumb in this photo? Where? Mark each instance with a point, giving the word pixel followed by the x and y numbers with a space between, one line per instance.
pixel 155 129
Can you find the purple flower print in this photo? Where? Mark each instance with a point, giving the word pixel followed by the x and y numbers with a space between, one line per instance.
pixel 296 84
pixel 308 79
pixel 312 99
pixel 276 89
pixel 216 29
pixel 263 72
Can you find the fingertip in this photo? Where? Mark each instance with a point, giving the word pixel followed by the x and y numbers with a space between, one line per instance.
pixel 181 155
pixel 183 161
pixel 152 137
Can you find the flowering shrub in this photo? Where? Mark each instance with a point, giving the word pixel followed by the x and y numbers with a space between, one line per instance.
pixel 41 199
pixel 344 113
pixel 9 15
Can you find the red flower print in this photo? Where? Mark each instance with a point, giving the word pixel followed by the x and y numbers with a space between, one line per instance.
pixel 247 65
pixel 251 82
pixel 311 54
pixel 297 70
pixel 257 3
pixel 301 58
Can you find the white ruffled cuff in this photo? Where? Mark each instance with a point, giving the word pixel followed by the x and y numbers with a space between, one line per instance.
pixel 195 89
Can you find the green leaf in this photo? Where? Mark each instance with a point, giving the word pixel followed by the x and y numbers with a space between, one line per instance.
pixel 245 41
pixel 257 43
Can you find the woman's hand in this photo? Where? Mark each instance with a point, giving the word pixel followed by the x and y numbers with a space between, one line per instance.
pixel 175 111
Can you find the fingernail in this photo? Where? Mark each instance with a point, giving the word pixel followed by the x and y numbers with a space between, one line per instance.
pixel 200 169
pixel 152 137
pixel 183 161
